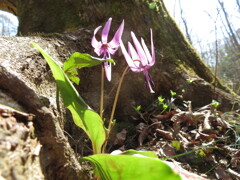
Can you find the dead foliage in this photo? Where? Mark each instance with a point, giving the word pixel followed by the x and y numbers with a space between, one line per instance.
pixel 204 141
pixel 19 157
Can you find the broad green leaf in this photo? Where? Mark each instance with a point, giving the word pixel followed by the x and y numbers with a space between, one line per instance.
pixel 80 60
pixel 82 114
pixel 150 154
pixel 127 167
pixel 74 79
pixel 72 75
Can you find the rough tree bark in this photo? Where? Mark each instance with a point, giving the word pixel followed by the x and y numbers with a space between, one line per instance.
pixel 25 78
pixel 44 16
pixel 176 61
pixel 9 6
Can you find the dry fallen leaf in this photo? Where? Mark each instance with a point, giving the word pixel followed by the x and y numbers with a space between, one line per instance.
pixel 120 137
pixel 165 134
pixel 221 173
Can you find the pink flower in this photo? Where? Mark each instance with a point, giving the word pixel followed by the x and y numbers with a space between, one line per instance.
pixel 106 48
pixel 140 60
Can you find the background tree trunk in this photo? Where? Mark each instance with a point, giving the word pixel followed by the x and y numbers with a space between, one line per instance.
pixel 9 6
pixel 25 78
pixel 176 58
pixel 176 61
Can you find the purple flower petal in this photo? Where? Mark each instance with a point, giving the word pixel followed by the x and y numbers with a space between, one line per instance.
pixel 134 69
pixel 105 31
pixel 148 79
pixel 114 43
pixel 96 44
pixel 135 58
pixel 108 70
pixel 126 55
pixel 104 48
pixel 112 50
pixel 139 49
pixel 149 58
pixel 152 49
pixel 132 52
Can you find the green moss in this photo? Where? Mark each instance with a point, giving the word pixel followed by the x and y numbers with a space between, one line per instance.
pixel 42 34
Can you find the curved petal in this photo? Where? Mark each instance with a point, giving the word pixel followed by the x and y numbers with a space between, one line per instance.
pixel 105 31
pixel 136 69
pixel 108 70
pixel 94 42
pixel 149 81
pixel 114 43
pixel 126 55
pixel 139 49
pixel 149 58
pixel 147 66
pixel 132 52
pixel 98 51
pixel 152 49
pixel 112 50
pixel 135 58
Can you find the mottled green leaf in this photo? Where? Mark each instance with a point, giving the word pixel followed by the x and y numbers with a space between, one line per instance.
pixel 130 167
pixel 144 153
pixel 72 74
pixel 82 114
pixel 74 79
pixel 80 60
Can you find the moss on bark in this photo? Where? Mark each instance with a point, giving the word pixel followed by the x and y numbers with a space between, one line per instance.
pixel 175 55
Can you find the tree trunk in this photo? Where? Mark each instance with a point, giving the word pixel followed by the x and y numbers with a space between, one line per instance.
pixel 176 58
pixel 232 33
pixel 25 78
pixel 28 80
pixel 9 6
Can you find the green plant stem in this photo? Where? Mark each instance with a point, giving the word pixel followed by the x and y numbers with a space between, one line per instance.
pixel 189 152
pixel 114 107
pixel 57 99
pixel 116 98
pixel 101 93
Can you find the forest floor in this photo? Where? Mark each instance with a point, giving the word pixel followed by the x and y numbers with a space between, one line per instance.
pixel 203 141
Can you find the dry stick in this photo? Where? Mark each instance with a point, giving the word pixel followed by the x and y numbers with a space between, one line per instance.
pixel 114 106
pixel 101 93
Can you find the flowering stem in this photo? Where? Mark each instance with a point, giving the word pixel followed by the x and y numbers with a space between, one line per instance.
pixel 114 105
pixel 116 98
pixel 101 93
pixel 57 100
